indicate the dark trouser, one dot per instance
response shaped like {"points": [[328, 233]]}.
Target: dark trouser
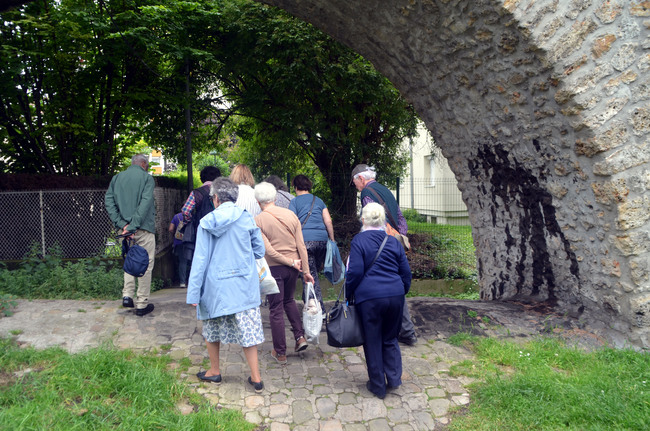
{"points": [[286, 278], [381, 320], [316, 251], [408, 329], [181, 261]]}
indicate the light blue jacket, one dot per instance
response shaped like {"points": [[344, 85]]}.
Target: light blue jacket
{"points": [[224, 279]]}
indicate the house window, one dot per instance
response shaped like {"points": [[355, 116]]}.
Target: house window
{"points": [[430, 163]]}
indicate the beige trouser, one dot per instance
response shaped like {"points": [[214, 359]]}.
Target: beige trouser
{"points": [[147, 240]]}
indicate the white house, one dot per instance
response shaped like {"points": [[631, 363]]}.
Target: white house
{"points": [[430, 187]]}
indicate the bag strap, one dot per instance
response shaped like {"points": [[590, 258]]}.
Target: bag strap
{"points": [[388, 213], [381, 248], [309, 213], [383, 243]]}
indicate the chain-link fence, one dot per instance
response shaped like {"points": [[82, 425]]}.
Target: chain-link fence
{"points": [[438, 201], [74, 222]]}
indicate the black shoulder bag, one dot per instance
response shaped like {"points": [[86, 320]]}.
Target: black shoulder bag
{"points": [[342, 321]]}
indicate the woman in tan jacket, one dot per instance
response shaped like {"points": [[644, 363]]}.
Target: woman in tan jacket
{"points": [[287, 257]]}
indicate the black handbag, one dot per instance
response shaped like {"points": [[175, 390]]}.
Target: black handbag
{"points": [[342, 321], [343, 324]]}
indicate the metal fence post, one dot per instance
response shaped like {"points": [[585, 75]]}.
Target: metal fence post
{"points": [[40, 197], [397, 191]]}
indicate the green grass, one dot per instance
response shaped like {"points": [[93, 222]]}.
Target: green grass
{"points": [[545, 385], [450, 247], [102, 389]]}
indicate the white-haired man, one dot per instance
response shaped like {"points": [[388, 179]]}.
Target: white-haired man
{"points": [[130, 205], [364, 179]]}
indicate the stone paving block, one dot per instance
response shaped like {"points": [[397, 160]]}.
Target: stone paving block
{"points": [[347, 398], [326, 407], [439, 406], [373, 408], [278, 411], [254, 417], [379, 425], [398, 415], [423, 421], [436, 393], [416, 401], [348, 413], [322, 390], [254, 401], [330, 425], [302, 411], [453, 386], [278, 426]]}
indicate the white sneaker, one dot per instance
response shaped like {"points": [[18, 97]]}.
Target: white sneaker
{"points": [[183, 285]]}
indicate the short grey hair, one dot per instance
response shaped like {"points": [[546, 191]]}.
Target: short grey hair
{"points": [[373, 215], [265, 192], [224, 189], [369, 174], [139, 159]]}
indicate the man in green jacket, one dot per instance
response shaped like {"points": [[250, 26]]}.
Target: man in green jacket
{"points": [[130, 205]]}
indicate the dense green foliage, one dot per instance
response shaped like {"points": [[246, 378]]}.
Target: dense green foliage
{"points": [[71, 81], [115, 76], [102, 389], [51, 277], [545, 385], [308, 101]]}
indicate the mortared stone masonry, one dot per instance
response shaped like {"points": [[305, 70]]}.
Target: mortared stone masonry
{"points": [[542, 108]]}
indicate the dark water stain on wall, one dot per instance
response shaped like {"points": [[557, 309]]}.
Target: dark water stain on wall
{"points": [[511, 185]]}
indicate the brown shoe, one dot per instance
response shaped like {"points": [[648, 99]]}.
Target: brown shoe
{"points": [[282, 359], [301, 344]]}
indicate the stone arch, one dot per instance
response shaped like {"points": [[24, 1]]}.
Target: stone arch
{"points": [[541, 107]]}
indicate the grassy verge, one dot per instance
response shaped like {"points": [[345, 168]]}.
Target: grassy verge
{"points": [[450, 247], [101, 389], [545, 385]]}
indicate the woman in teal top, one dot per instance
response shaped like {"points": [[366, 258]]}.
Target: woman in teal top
{"points": [[316, 227]]}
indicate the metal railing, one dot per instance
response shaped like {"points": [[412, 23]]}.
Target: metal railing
{"points": [[439, 201]]}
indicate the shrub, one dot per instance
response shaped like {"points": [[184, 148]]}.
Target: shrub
{"points": [[411, 214], [51, 277]]}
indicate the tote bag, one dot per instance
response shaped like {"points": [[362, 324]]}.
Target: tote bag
{"points": [[312, 315], [268, 285]]}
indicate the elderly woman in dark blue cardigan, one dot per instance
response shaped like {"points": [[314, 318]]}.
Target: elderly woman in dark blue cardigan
{"points": [[378, 287]]}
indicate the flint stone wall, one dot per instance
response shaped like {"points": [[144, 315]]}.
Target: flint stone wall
{"points": [[542, 108]]}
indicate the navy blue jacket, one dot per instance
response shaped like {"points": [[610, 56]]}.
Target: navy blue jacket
{"points": [[389, 276]]}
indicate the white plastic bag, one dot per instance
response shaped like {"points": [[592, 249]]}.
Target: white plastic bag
{"points": [[268, 285], [312, 315]]}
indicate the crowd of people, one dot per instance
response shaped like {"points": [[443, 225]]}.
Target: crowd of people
{"points": [[227, 224]]}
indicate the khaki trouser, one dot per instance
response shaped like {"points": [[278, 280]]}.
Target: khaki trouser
{"points": [[147, 240]]}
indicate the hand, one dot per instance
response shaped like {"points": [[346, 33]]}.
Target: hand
{"points": [[308, 278], [297, 264], [125, 232], [194, 305]]}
